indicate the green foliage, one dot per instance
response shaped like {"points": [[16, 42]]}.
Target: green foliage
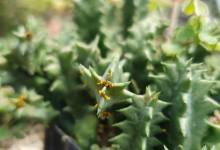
{"points": [[112, 79]]}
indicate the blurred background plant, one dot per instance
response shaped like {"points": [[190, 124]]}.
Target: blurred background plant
{"points": [[15, 12]]}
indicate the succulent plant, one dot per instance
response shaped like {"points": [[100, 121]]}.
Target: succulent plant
{"points": [[117, 78]]}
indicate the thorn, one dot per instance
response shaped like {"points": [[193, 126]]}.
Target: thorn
{"points": [[96, 106]]}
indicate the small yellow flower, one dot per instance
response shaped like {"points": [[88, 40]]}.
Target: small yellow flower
{"points": [[108, 84], [105, 114], [103, 94], [101, 83], [105, 83], [28, 35], [21, 101]]}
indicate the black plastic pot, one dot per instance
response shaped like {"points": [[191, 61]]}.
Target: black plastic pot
{"points": [[56, 139]]}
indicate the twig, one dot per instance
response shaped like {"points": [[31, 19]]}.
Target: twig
{"points": [[173, 19]]}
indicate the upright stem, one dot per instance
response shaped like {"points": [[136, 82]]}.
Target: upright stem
{"points": [[173, 18]]}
